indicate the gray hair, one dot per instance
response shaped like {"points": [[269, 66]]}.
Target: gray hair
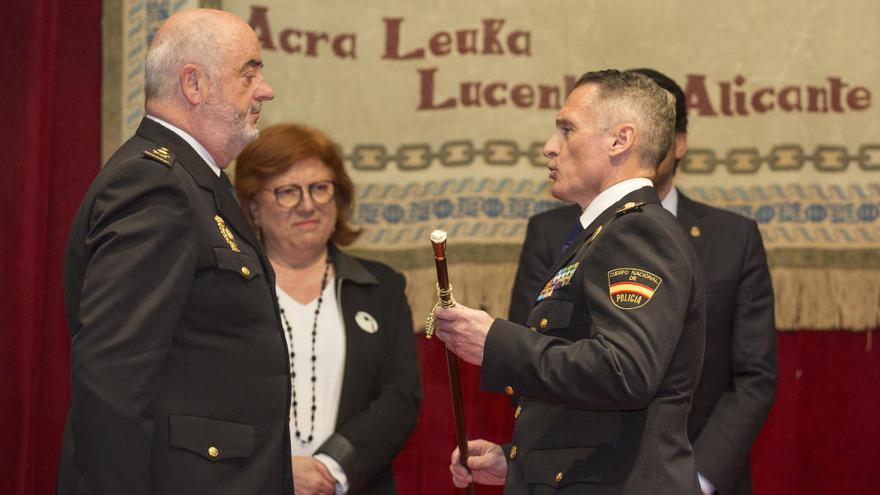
{"points": [[633, 97], [196, 41]]}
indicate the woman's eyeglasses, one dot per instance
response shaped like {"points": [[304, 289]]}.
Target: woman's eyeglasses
{"points": [[291, 195]]}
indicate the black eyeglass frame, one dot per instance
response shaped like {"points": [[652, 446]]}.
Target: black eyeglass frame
{"points": [[310, 188]]}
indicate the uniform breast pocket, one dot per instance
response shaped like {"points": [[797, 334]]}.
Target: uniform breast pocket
{"points": [[213, 439], [565, 469], [243, 264], [551, 314]]}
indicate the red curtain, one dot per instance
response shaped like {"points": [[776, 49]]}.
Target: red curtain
{"points": [[821, 437], [51, 76]]}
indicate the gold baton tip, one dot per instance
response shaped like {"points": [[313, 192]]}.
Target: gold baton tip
{"points": [[438, 236]]}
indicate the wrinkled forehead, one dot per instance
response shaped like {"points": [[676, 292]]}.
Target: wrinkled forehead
{"points": [[241, 50]]}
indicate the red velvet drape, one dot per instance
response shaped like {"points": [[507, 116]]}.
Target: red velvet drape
{"points": [[821, 437], [51, 79]]}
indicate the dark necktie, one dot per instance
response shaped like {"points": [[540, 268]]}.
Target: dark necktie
{"points": [[229, 187], [573, 235]]}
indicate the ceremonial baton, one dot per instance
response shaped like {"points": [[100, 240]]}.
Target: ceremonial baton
{"points": [[444, 292]]}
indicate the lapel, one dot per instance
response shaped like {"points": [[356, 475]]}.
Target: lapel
{"points": [[205, 178], [353, 280], [644, 194], [690, 216]]}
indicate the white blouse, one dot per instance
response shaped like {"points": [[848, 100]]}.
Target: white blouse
{"points": [[329, 366]]}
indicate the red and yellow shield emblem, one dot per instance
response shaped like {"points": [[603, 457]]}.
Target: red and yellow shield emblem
{"points": [[632, 288]]}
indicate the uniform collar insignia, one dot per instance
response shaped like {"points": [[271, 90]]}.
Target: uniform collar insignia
{"points": [[161, 154], [630, 206]]}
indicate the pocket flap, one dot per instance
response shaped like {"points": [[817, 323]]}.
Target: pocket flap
{"points": [[551, 314], [212, 439], [560, 467], [241, 263]]}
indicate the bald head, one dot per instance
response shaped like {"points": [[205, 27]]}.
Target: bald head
{"points": [[197, 36], [204, 75]]}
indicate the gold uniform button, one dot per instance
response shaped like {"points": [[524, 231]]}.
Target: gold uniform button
{"points": [[213, 452], [513, 453], [559, 476], [508, 390], [544, 323], [518, 412], [246, 271]]}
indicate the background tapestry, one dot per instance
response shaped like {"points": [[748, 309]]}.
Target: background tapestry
{"points": [[442, 110]]}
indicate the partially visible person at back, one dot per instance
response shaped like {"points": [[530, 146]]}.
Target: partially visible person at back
{"points": [[738, 382], [179, 379], [353, 362]]}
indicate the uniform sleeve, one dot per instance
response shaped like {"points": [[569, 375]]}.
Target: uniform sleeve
{"points": [[140, 269], [722, 448], [624, 355], [368, 442], [534, 263]]}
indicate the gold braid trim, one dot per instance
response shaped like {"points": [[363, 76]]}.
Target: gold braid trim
{"points": [[442, 295]]}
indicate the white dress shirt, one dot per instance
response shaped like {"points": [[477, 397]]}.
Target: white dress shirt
{"points": [[610, 196]]}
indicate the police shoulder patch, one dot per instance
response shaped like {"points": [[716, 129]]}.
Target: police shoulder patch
{"points": [[631, 288], [161, 154]]}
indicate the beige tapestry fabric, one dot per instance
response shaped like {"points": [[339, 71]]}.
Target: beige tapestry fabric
{"points": [[442, 109]]}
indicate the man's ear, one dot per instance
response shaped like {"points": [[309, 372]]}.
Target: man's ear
{"points": [[192, 84], [623, 139], [681, 145]]}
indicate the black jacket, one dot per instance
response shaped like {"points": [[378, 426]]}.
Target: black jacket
{"points": [[179, 374], [607, 372], [379, 404], [737, 384]]}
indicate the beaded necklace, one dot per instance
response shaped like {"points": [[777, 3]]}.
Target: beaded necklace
{"points": [[301, 438]]}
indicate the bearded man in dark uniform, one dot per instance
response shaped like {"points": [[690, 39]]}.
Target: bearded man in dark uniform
{"points": [[178, 369], [606, 367]]}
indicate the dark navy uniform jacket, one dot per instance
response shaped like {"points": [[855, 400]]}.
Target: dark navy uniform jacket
{"points": [[738, 382], [608, 363], [179, 373]]}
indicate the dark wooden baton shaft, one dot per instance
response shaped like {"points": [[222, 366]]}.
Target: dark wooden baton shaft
{"points": [[452, 361]]}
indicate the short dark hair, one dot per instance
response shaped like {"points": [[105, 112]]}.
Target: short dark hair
{"points": [[666, 82], [635, 97]]}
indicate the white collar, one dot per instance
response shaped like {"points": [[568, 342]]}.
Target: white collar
{"points": [[670, 202], [610, 196], [191, 141]]}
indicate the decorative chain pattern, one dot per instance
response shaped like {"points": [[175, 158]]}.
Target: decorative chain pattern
{"points": [[501, 152]]}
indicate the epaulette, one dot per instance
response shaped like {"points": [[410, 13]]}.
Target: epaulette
{"points": [[161, 155], [630, 207]]}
